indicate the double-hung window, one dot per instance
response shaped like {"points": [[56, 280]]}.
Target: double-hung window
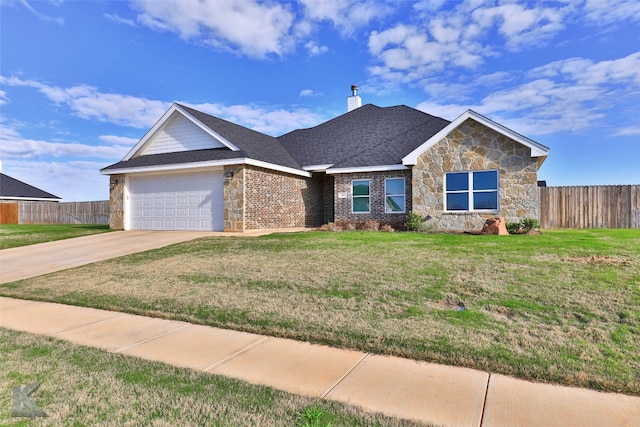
{"points": [[394, 195], [360, 199], [471, 191]]}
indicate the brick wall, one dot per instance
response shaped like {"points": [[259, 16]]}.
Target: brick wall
{"points": [[376, 200], [473, 147], [279, 200]]}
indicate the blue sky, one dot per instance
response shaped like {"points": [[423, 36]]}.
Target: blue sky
{"points": [[81, 82]]}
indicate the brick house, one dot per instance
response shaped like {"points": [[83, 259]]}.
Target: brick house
{"points": [[194, 171]]}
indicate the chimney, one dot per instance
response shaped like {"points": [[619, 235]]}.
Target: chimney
{"points": [[353, 101]]}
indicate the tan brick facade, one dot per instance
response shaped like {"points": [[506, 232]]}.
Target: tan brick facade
{"points": [[343, 208], [279, 200], [474, 147]]}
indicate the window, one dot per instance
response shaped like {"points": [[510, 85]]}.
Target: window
{"points": [[394, 195], [360, 196], [471, 191]]}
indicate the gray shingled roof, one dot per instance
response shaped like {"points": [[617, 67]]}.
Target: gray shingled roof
{"points": [[13, 188], [366, 136]]}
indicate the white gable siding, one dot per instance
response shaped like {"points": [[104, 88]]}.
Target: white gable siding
{"points": [[180, 134]]}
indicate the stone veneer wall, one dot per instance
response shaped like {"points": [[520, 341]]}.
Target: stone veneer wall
{"points": [[234, 198], [376, 194], [474, 147], [279, 200], [116, 202]]}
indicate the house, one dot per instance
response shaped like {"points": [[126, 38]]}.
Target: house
{"points": [[194, 171], [14, 192]]}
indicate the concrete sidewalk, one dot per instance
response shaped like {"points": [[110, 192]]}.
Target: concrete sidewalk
{"points": [[405, 388]]}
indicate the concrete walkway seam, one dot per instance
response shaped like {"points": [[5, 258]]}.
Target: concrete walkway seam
{"points": [[324, 396], [484, 403], [164, 334], [237, 353]]}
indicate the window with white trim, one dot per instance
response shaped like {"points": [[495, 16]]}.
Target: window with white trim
{"points": [[471, 191], [394, 195], [360, 196]]}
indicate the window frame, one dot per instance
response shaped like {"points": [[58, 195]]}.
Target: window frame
{"points": [[368, 196], [470, 191], [403, 195]]}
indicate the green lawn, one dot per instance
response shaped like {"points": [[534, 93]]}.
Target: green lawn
{"points": [[14, 235], [81, 386], [561, 307]]}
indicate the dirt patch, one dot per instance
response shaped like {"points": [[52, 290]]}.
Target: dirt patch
{"points": [[599, 260]]}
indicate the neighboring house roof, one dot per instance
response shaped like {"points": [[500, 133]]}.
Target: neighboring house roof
{"points": [[368, 138], [13, 189]]}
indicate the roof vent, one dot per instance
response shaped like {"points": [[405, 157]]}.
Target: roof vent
{"points": [[354, 101]]}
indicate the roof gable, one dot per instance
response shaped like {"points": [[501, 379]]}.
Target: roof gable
{"points": [[11, 188], [179, 134], [537, 150], [177, 122]]}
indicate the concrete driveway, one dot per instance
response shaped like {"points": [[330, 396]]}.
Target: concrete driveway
{"points": [[35, 260]]}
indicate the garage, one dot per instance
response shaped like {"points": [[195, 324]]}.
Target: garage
{"points": [[177, 202]]}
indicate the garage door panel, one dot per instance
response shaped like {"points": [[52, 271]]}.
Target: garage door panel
{"points": [[177, 202]]}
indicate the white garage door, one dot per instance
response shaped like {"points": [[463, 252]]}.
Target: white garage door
{"points": [[177, 202]]}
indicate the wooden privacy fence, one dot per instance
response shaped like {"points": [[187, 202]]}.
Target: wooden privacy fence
{"points": [[601, 206], [64, 213]]}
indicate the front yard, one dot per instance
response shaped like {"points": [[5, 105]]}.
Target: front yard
{"points": [[562, 307]]}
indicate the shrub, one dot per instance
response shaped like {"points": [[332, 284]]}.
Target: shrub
{"points": [[529, 224], [524, 226], [370, 225], [513, 227], [415, 222], [387, 228]]}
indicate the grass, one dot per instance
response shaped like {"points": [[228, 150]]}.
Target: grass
{"points": [[14, 235], [562, 307], [82, 386]]}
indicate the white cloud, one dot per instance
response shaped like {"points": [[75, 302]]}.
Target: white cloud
{"points": [[42, 16], [347, 16], [249, 27], [268, 120], [629, 131], [3, 97], [118, 140], [586, 72], [521, 26], [571, 95], [315, 49], [462, 36], [309, 93], [88, 103], [114, 17], [612, 11], [14, 146]]}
